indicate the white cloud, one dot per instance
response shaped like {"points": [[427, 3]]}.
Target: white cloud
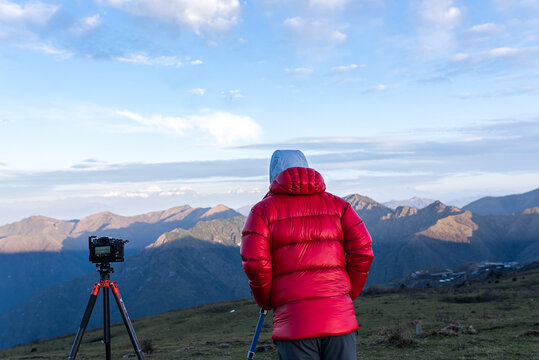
{"points": [[441, 13], [232, 94], [376, 89], [332, 4], [438, 21], [18, 23], [196, 62], [347, 68], [338, 36], [225, 128], [502, 51], [460, 57], [162, 124], [86, 24], [148, 191], [36, 13], [299, 70], [497, 53], [315, 30], [497, 60], [115, 194], [142, 58], [219, 15], [47, 49], [483, 28], [198, 91]]}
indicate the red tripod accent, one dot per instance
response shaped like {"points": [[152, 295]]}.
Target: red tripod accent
{"points": [[105, 283]]}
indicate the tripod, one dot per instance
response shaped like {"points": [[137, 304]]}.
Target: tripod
{"points": [[104, 270]]}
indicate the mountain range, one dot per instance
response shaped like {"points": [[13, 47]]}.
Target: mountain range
{"points": [[39, 251], [178, 271], [39, 233], [189, 256], [491, 205]]}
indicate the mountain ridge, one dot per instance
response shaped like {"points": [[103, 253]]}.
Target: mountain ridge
{"points": [[508, 204], [40, 233]]}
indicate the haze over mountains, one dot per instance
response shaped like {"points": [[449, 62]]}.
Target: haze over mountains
{"points": [[415, 202], [189, 256]]}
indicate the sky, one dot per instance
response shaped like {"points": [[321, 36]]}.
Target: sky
{"points": [[133, 106]]}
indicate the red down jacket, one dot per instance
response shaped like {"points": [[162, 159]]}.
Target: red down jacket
{"points": [[293, 250]]}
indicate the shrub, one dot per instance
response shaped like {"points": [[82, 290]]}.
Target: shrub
{"points": [[147, 346], [397, 336]]}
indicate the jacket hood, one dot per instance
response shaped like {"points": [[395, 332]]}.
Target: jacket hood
{"points": [[284, 159], [298, 181]]}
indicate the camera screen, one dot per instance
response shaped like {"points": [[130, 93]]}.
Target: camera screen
{"points": [[102, 251]]}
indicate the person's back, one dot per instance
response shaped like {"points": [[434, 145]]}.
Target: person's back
{"points": [[293, 250]]}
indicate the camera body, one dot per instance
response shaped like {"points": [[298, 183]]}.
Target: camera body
{"points": [[105, 249]]}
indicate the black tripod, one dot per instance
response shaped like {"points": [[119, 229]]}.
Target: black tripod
{"points": [[105, 270]]}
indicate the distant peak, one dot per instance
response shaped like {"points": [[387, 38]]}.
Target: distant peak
{"points": [[39, 218], [415, 202], [439, 207], [361, 201], [179, 208], [217, 209], [402, 211], [102, 214], [220, 207], [359, 197]]}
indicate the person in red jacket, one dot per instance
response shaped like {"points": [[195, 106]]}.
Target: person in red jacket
{"points": [[307, 255]]}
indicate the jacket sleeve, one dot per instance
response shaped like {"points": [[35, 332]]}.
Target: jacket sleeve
{"points": [[256, 258], [358, 249]]}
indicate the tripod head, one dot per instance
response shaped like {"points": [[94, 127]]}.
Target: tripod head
{"points": [[104, 270]]}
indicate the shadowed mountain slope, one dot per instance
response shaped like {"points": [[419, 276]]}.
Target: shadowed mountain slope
{"points": [[183, 271], [39, 251], [491, 205]]}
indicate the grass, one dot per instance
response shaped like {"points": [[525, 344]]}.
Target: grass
{"points": [[504, 315]]}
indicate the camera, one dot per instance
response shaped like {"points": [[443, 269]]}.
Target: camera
{"points": [[105, 249]]}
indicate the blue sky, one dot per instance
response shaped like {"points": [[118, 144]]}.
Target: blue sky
{"points": [[139, 105]]}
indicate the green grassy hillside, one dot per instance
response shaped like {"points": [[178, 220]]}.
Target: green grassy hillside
{"points": [[498, 319]]}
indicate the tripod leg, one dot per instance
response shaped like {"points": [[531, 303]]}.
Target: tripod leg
{"points": [[84, 322], [127, 321], [106, 322]]}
